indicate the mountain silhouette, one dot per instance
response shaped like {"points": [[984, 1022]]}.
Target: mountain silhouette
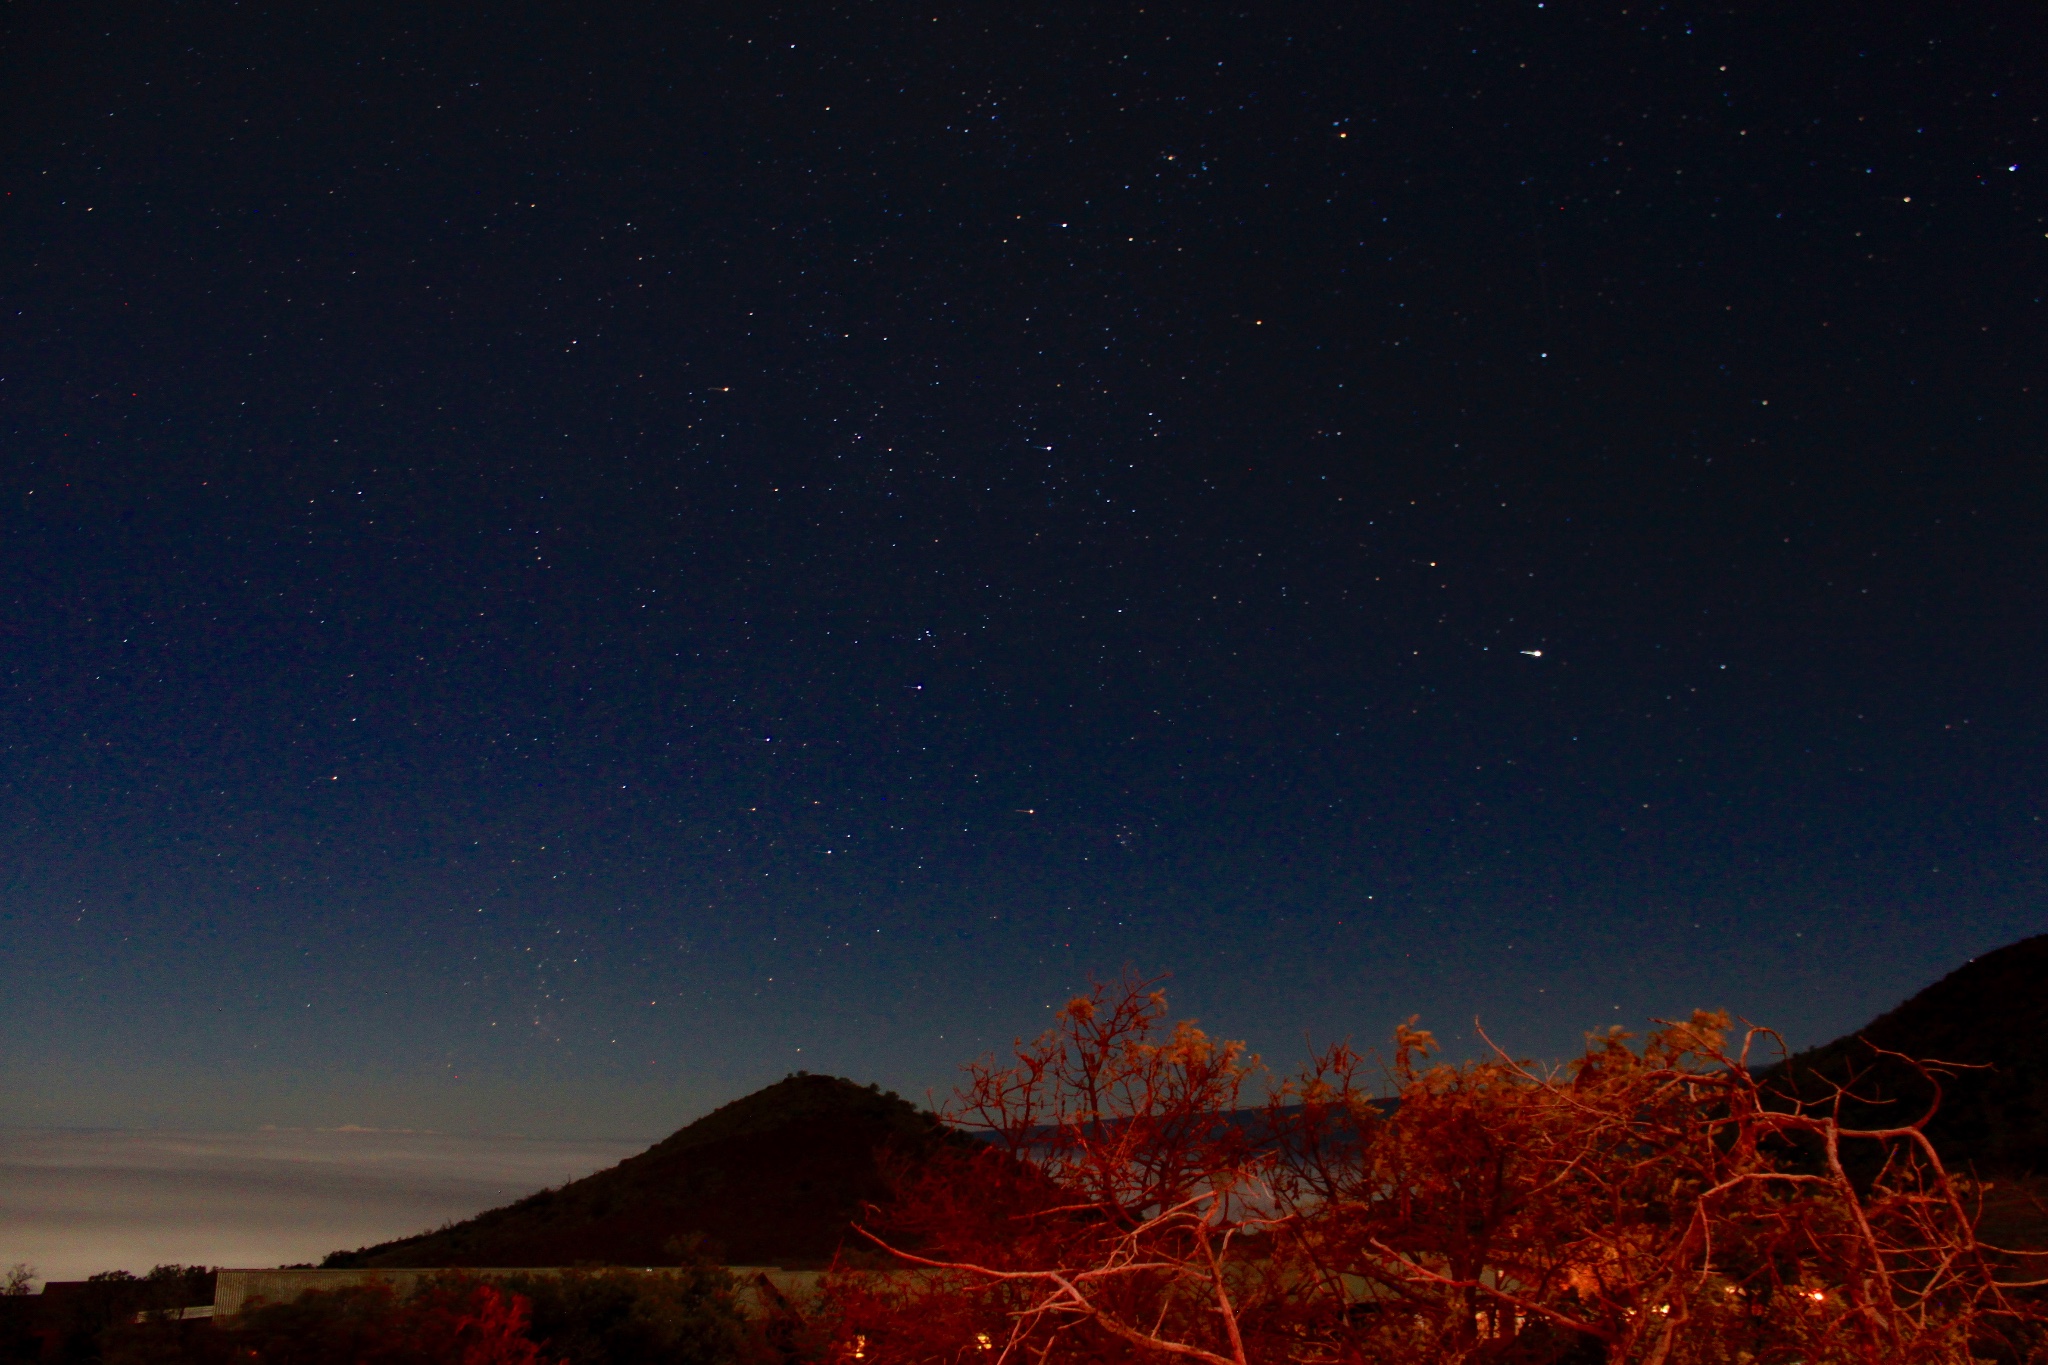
{"points": [[775, 1178], [778, 1177], [1990, 1014]]}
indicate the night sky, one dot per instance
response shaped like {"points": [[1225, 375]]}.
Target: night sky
{"points": [[558, 563]]}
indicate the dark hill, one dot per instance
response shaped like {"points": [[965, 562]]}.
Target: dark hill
{"points": [[771, 1179], [1992, 1012]]}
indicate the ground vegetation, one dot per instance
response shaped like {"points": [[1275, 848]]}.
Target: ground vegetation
{"points": [[1651, 1203]]}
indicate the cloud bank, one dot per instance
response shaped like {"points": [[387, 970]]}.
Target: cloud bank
{"points": [[73, 1203]]}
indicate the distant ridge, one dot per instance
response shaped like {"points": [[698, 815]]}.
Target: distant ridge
{"points": [[1992, 1011], [778, 1177], [775, 1178]]}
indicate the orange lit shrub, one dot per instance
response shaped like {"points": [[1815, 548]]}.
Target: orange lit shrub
{"points": [[1649, 1203]]}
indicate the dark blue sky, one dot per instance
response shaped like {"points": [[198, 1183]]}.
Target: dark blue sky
{"points": [[559, 566]]}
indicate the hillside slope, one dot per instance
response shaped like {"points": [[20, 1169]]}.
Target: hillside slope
{"points": [[1990, 1012], [774, 1178]]}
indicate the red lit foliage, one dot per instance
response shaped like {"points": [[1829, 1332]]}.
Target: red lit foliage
{"points": [[684, 1316], [1649, 1203], [446, 1322]]}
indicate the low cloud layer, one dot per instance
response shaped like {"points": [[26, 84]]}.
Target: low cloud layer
{"points": [[75, 1203]]}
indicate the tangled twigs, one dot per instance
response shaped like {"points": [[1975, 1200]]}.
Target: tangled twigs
{"points": [[1655, 1202]]}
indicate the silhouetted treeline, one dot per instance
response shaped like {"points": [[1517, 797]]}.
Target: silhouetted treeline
{"points": [[69, 1322], [689, 1316]]}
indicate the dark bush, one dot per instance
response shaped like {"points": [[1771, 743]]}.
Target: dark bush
{"points": [[611, 1317]]}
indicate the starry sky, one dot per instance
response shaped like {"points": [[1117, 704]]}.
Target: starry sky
{"points": [[558, 563]]}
